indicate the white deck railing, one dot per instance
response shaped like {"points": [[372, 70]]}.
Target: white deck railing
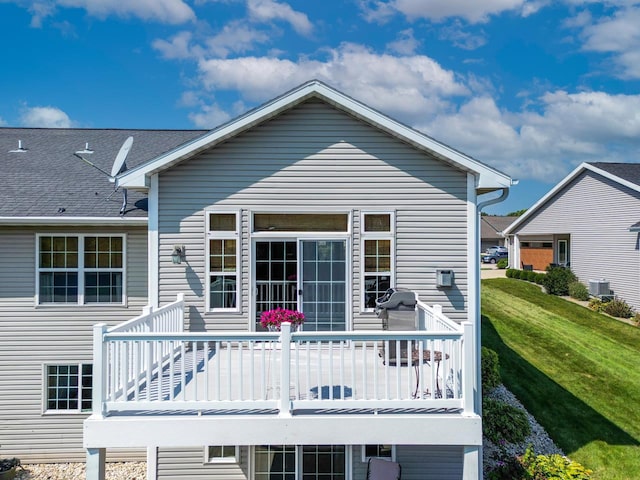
{"points": [[150, 363], [125, 366]]}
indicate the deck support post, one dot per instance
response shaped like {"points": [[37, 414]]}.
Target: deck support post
{"points": [[99, 369], [152, 463], [472, 468], [285, 369], [96, 463], [468, 370]]}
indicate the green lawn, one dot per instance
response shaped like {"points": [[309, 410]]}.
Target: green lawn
{"points": [[577, 372]]}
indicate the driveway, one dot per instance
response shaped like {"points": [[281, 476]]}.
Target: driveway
{"points": [[488, 270]]}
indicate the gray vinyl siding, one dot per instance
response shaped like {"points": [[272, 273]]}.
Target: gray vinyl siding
{"points": [[33, 336], [596, 214], [417, 463], [188, 463], [315, 157]]}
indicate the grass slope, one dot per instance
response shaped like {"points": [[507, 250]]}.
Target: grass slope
{"points": [[577, 372]]}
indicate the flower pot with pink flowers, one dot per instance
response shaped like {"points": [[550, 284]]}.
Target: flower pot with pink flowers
{"points": [[272, 319]]}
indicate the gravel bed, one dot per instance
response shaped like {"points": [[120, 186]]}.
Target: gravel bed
{"points": [[539, 439], [75, 471]]}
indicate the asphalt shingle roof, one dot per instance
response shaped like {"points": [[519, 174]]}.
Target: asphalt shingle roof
{"points": [[47, 180], [490, 225], [627, 171]]}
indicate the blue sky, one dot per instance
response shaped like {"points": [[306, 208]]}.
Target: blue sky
{"points": [[531, 87]]}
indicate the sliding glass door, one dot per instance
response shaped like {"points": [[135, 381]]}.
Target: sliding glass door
{"points": [[303, 274], [324, 284]]}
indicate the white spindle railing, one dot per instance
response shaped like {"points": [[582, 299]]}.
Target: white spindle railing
{"points": [[432, 319], [150, 363], [125, 365]]}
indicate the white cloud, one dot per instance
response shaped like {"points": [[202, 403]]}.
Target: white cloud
{"points": [[438, 10], [456, 34], [178, 47], [39, 10], [45, 117], [235, 37], [569, 129], [267, 10], [410, 86], [405, 44], [209, 116], [164, 11], [618, 34], [3, 122]]}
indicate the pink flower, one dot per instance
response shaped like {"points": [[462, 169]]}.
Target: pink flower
{"points": [[272, 319]]}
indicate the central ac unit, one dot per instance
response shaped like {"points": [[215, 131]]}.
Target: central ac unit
{"points": [[598, 288]]}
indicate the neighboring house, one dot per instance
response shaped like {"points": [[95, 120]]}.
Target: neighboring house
{"points": [[589, 222], [68, 260], [491, 228], [313, 202]]}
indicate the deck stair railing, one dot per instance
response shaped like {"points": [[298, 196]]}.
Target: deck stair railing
{"points": [[151, 364], [127, 365]]}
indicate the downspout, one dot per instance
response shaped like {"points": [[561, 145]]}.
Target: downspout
{"points": [[501, 198], [481, 205]]}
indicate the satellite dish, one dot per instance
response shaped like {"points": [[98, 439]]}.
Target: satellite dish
{"points": [[118, 164], [118, 167]]}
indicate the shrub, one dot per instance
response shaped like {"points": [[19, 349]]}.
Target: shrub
{"points": [[501, 421], [540, 278], [539, 467], [517, 273], [531, 275], [544, 467], [557, 280], [490, 369], [596, 304], [618, 308], [509, 468], [509, 272], [578, 291], [502, 263]]}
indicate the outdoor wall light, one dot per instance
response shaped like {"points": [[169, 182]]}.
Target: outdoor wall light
{"points": [[178, 254]]}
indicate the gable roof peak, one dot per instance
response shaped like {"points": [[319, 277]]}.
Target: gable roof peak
{"points": [[624, 174], [489, 179]]}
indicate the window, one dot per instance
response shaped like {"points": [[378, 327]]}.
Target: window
{"points": [[379, 451], [68, 387], [563, 252], [223, 261], [222, 454], [300, 222], [377, 256], [80, 269], [275, 462], [307, 462]]}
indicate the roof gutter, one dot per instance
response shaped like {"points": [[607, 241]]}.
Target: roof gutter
{"points": [[503, 196], [117, 221]]}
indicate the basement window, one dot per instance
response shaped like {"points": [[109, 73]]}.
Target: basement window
{"points": [[222, 454], [68, 388]]}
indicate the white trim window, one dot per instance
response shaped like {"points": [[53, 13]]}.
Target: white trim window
{"points": [[223, 261], [83, 269], [68, 388], [289, 462], [563, 252], [386, 452], [377, 256], [222, 454]]}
